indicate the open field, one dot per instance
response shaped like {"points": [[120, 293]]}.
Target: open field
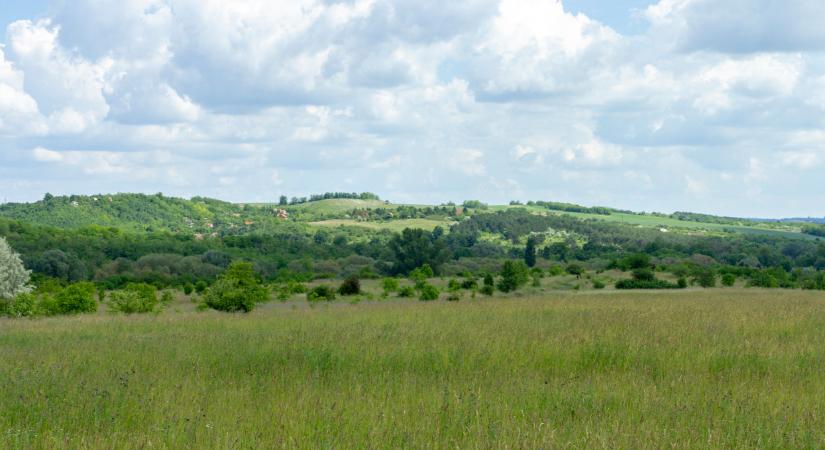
{"points": [[720, 368]]}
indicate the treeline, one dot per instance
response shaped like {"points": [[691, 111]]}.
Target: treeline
{"points": [[570, 207], [814, 230], [328, 196]]}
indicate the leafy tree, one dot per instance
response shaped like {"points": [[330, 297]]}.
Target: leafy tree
{"points": [[514, 274], [643, 274], [728, 279], [14, 278], [238, 289], [530, 252], [705, 277], [415, 247], [283, 201]]}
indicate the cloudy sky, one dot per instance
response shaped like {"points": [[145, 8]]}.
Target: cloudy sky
{"points": [[704, 105]]}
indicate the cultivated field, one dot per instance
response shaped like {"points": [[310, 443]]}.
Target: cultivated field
{"points": [[721, 368]]}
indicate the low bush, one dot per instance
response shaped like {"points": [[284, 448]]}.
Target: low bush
{"points": [[321, 293], [237, 289], [76, 298], [390, 285], [646, 284], [598, 284], [406, 292], [728, 279], [134, 298], [429, 293], [350, 286]]}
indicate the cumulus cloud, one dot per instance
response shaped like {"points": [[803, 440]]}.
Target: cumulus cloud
{"points": [[419, 100]]}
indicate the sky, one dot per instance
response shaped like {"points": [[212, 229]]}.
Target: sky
{"points": [[695, 105]]}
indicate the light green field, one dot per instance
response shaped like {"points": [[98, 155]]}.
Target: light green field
{"points": [[393, 225], [338, 206], [720, 369]]}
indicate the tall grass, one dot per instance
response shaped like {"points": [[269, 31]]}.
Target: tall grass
{"points": [[621, 370]]}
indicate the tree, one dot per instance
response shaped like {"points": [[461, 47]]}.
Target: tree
{"points": [[575, 269], [14, 278], [530, 252], [76, 298], [238, 289], [514, 274], [283, 201], [350, 286], [415, 247]]}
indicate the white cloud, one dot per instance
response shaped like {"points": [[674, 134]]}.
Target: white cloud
{"points": [[45, 155]]}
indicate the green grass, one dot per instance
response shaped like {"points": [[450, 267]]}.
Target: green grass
{"points": [[337, 206], [721, 369]]}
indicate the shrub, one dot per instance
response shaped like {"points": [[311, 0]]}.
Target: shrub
{"points": [[321, 293], [406, 292], [429, 293], [682, 283], [514, 275], [238, 289], [469, 284], [167, 297], [489, 280], [454, 296], [420, 275], [390, 285], [728, 279], [488, 290], [201, 286], [705, 277], [76, 298], [453, 285], [24, 305], [644, 274], [350, 286], [598, 284], [575, 269], [134, 298], [646, 284], [555, 270], [188, 288], [14, 278]]}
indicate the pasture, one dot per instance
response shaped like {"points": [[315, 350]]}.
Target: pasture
{"points": [[718, 368]]}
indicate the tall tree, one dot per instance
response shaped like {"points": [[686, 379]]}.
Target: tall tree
{"points": [[14, 278], [530, 252]]}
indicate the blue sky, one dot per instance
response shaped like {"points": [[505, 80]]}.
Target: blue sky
{"points": [[647, 105]]}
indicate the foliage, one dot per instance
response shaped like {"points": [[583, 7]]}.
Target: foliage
{"points": [[76, 298], [406, 292], [134, 298], [728, 279], [514, 274], [429, 293], [390, 285], [575, 269], [705, 277], [350, 286], [14, 278], [321, 293], [530, 252], [238, 289], [646, 284]]}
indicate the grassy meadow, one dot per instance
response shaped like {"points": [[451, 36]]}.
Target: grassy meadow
{"points": [[719, 368]]}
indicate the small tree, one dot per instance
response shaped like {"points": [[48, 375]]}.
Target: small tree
{"points": [[575, 269], [429, 293], [514, 274], [238, 289], [728, 279], [390, 285], [14, 278]]}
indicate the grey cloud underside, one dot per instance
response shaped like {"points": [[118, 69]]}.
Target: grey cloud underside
{"points": [[717, 107]]}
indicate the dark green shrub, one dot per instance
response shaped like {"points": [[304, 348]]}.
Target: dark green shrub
{"points": [[555, 270], [469, 284], [644, 274], [646, 284], [406, 292], [705, 277], [575, 269], [728, 279], [321, 293], [201, 286], [167, 297], [453, 285], [598, 284], [429, 293], [488, 290], [76, 298], [237, 289], [682, 283], [350, 286], [23, 305], [188, 288]]}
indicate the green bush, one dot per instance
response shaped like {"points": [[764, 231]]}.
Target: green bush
{"points": [[469, 283], [76, 298], [166, 297], [406, 292], [705, 277], [429, 293], [488, 290], [201, 286], [575, 269], [598, 284], [23, 305], [514, 275], [453, 285], [350, 286], [728, 279], [321, 293], [238, 289], [644, 274], [555, 270], [390, 285], [188, 288]]}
